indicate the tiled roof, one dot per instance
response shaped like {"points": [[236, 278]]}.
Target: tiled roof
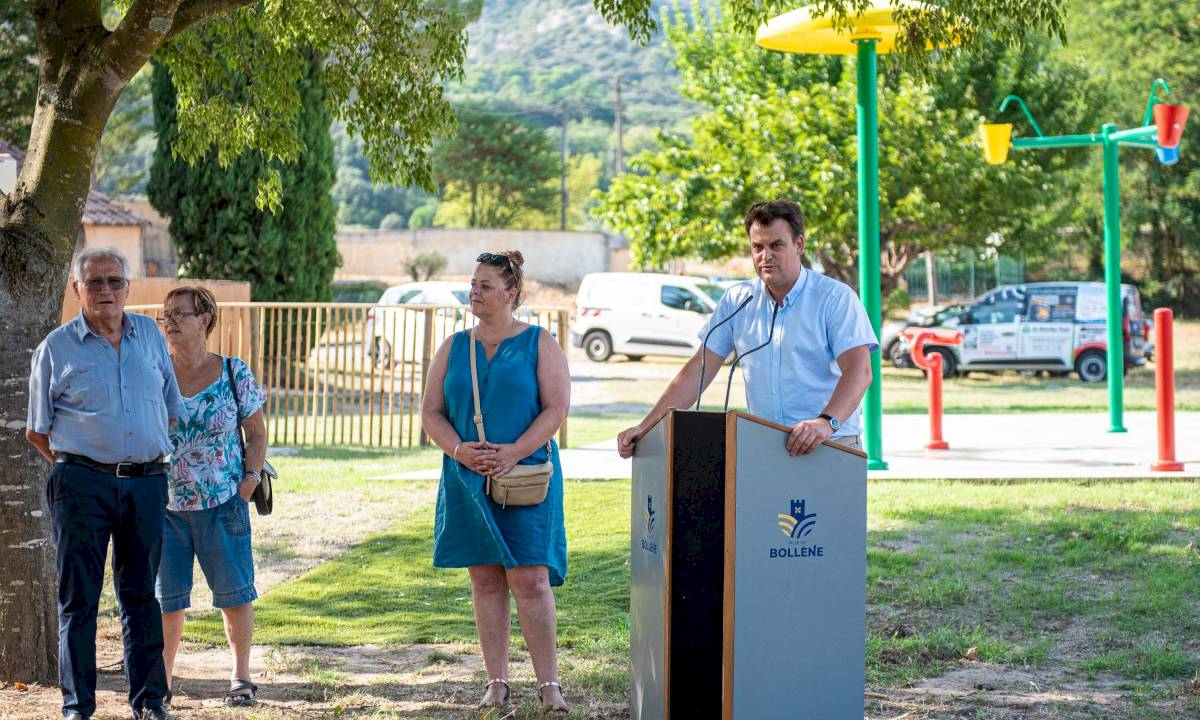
{"points": [[100, 209]]}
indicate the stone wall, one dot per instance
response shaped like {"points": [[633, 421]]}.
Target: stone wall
{"points": [[559, 258]]}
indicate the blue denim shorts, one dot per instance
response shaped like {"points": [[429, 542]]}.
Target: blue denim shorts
{"points": [[220, 539]]}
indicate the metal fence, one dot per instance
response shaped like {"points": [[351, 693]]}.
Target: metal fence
{"points": [[347, 374], [963, 276]]}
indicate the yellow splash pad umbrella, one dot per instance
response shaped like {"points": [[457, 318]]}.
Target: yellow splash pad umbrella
{"points": [[799, 31]]}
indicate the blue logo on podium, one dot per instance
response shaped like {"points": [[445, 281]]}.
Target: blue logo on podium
{"points": [[648, 516], [797, 523]]}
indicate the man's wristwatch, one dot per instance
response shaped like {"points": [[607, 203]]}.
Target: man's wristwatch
{"points": [[833, 422]]}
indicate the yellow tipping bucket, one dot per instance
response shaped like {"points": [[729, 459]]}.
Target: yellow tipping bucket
{"points": [[996, 139]]}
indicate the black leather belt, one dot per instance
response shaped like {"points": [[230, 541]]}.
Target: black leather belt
{"points": [[122, 469]]}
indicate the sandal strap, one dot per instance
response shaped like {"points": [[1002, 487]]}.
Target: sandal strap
{"points": [[240, 689], [549, 683], [493, 681]]}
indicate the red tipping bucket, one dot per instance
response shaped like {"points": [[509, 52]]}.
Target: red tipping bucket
{"points": [[1170, 119]]}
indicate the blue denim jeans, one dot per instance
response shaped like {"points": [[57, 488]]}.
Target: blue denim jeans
{"points": [[220, 539], [87, 507]]}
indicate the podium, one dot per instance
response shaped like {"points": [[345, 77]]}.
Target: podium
{"points": [[748, 573]]}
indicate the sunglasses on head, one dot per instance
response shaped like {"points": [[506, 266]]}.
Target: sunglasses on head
{"points": [[495, 259]]}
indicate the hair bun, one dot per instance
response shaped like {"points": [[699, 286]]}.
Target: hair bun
{"points": [[516, 257]]}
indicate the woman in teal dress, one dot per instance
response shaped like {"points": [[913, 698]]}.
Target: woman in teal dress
{"points": [[525, 390]]}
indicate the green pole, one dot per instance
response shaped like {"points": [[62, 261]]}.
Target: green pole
{"points": [[868, 239], [1112, 281]]}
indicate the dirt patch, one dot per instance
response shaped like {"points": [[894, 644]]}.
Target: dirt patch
{"points": [[442, 682]]}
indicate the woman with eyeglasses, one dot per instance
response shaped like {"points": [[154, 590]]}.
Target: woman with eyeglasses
{"points": [[211, 482], [525, 391]]}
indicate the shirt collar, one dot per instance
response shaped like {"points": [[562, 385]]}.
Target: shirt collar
{"points": [[82, 329], [794, 294]]}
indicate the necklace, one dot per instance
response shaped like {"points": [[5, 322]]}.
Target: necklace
{"points": [[490, 343]]}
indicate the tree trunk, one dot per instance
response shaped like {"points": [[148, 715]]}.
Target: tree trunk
{"points": [[474, 202], [39, 221]]}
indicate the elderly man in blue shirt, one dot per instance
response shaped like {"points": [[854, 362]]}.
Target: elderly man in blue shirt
{"points": [[101, 391], [805, 338]]}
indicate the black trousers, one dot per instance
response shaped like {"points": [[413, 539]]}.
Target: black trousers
{"points": [[88, 507]]}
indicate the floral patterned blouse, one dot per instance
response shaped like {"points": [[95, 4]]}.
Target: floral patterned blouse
{"points": [[206, 467]]}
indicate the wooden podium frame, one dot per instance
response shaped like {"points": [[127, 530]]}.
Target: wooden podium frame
{"points": [[724, 615]]}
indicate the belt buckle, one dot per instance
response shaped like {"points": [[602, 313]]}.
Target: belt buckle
{"points": [[123, 469]]}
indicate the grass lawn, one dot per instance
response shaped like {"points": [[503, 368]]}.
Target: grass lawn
{"points": [[1070, 581]]}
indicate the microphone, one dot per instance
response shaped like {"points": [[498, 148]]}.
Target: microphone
{"points": [[704, 346], [738, 359]]}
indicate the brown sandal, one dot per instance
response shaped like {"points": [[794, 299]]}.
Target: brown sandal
{"points": [[485, 703], [556, 710]]}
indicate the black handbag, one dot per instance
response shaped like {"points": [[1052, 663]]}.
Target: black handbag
{"points": [[263, 497]]}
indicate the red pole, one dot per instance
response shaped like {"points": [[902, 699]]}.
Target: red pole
{"points": [[936, 441], [931, 363], [1164, 386]]}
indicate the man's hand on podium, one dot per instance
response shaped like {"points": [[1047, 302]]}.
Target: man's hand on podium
{"points": [[807, 435], [627, 441]]}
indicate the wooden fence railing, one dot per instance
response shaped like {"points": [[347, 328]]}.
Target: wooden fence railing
{"points": [[346, 373]]}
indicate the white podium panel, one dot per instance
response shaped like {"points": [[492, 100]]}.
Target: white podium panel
{"points": [[649, 581], [795, 590]]}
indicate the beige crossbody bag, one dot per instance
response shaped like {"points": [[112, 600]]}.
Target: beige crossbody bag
{"points": [[523, 484]]}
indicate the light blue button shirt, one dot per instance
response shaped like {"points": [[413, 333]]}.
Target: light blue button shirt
{"points": [[94, 403], [793, 377]]}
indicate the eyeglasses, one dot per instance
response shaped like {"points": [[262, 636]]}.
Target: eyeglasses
{"points": [[115, 283], [174, 317], [497, 260]]}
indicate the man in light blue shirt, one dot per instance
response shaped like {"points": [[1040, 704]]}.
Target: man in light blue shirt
{"points": [[804, 338], [101, 392]]}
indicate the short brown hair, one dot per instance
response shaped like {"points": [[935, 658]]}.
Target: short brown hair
{"points": [[202, 302], [767, 212], [511, 268]]}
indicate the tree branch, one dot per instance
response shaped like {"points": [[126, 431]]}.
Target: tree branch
{"points": [[141, 32], [192, 12]]}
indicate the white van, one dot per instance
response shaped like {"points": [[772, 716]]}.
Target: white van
{"points": [[1051, 326], [639, 314]]}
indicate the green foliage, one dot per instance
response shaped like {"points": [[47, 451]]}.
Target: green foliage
{"points": [[385, 66], [1131, 44], [897, 301], [216, 225], [498, 168], [18, 71], [782, 125], [360, 201], [423, 216], [425, 265], [127, 146]]}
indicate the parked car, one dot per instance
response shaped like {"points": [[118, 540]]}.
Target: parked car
{"points": [[639, 314], [387, 327], [1052, 326], [925, 316]]}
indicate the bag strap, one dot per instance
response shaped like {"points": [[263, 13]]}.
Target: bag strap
{"points": [[475, 391], [237, 404]]}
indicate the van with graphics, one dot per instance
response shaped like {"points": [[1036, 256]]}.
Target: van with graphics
{"points": [[639, 314], [1053, 326]]}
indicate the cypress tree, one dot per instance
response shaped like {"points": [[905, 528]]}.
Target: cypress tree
{"points": [[216, 226]]}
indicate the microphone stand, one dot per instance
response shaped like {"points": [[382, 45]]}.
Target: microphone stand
{"points": [[738, 359], [704, 347]]}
